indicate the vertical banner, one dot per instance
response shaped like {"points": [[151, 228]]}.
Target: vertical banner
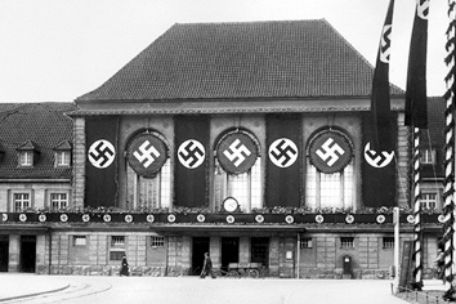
{"points": [[416, 95], [191, 135], [378, 169], [283, 176], [101, 184]]}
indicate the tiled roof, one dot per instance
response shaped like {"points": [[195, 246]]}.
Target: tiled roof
{"points": [[40, 124], [287, 59], [434, 136]]}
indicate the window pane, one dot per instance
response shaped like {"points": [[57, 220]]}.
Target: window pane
{"points": [[238, 187], [311, 186], [330, 190]]}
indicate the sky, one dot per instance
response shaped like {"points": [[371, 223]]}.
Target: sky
{"points": [[58, 50]]}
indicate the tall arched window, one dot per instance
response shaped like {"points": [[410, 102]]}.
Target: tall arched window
{"points": [[148, 171], [329, 176], [238, 170]]}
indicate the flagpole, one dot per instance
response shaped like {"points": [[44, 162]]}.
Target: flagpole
{"points": [[449, 206], [417, 253]]}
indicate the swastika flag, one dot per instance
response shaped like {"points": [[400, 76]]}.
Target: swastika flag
{"points": [[101, 161], [416, 95], [191, 144], [382, 138], [283, 181]]}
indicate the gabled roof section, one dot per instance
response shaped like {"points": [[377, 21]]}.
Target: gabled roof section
{"points": [[34, 125], [28, 145], [279, 59], [63, 146]]}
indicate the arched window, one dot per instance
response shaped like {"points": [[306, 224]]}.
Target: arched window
{"points": [[148, 171], [238, 170], [329, 170]]}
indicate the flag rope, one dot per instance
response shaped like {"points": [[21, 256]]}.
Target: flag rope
{"points": [[417, 253], [448, 207]]}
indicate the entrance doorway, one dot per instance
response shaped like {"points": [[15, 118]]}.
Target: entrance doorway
{"points": [[260, 250], [28, 253], [200, 246], [4, 253], [230, 252]]}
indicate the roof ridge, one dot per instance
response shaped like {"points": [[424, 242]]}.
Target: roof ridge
{"points": [[248, 22]]}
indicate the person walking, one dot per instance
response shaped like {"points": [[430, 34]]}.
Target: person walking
{"points": [[124, 270], [207, 267]]}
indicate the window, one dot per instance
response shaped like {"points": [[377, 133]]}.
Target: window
{"points": [[388, 243], [59, 201], [26, 158], [428, 156], [117, 248], [62, 158], [21, 201], [347, 243], [244, 186], [428, 201], [79, 240], [306, 243], [157, 241]]}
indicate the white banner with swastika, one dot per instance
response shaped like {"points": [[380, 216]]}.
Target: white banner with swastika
{"points": [[283, 152], [101, 154]]}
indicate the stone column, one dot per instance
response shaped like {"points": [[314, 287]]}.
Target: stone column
{"points": [[215, 249], [14, 252], [79, 157], [244, 250], [274, 256], [403, 161]]}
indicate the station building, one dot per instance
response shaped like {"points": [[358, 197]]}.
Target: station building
{"points": [[249, 141]]}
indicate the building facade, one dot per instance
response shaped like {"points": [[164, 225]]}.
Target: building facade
{"points": [[250, 141]]}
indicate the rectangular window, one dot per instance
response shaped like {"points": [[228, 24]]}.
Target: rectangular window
{"points": [[21, 201], [59, 201], [62, 159], [388, 243], [117, 248], [79, 240], [157, 241], [428, 156], [306, 243], [428, 201], [347, 243], [26, 158]]}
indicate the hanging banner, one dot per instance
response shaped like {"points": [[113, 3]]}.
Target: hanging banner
{"points": [[147, 154], [330, 151], [191, 135], [378, 169], [102, 161], [237, 152], [283, 178]]}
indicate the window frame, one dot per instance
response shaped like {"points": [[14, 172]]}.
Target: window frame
{"points": [[115, 249], [75, 237], [13, 201], [428, 156], [387, 242], [345, 242], [306, 243], [425, 203], [157, 241], [62, 155], [51, 206], [29, 160]]}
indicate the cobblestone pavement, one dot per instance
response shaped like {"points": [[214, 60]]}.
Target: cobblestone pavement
{"points": [[189, 290]]}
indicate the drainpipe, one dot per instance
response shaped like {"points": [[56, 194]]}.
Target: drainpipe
{"points": [[298, 253], [50, 252]]}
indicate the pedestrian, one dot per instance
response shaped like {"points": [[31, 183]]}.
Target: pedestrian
{"points": [[207, 267], [124, 270], [439, 264]]}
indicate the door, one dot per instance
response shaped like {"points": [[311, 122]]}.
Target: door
{"points": [[260, 250], [230, 252], [28, 253], [4, 253], [200, 246]]}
